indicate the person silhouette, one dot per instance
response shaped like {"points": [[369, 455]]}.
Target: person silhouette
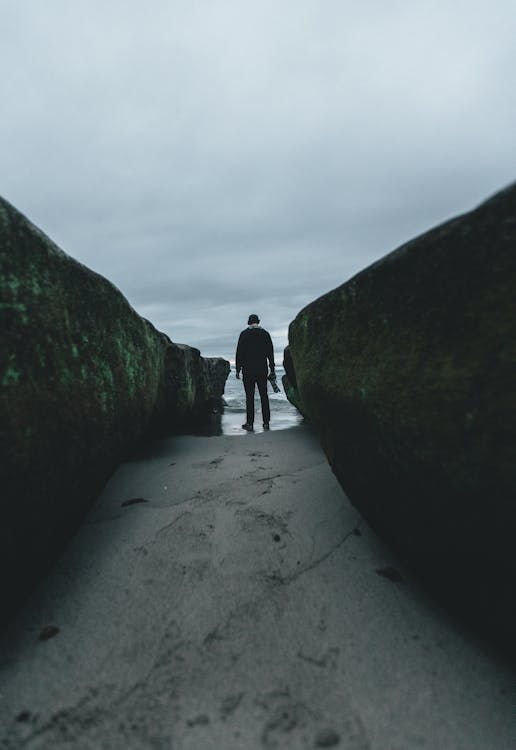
{"points": [[254, 351]]}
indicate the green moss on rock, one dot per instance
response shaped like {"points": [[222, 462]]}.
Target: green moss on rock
{"points": [[83, 379], [408, 372]]}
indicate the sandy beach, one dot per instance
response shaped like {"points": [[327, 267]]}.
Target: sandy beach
{"points": [[223, 593]]}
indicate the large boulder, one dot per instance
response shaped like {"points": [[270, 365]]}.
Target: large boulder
{"points": [[83, 379], [408, 371]]}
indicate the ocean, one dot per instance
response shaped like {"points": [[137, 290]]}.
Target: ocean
{"points": [[283, 414]]}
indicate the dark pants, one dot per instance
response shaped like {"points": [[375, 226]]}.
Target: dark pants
{"points": [[249, 383]]}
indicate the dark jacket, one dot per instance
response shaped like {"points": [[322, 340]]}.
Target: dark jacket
{"points": [[253, 350]]}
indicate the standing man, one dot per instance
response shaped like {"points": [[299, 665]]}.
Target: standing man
{"points": [[253, 351]]}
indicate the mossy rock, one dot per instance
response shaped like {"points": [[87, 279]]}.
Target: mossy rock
{"points": [[290, 384], [83, 379], [408, 371]]}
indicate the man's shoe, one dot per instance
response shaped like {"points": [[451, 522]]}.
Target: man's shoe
{"points": [[248, 427], [266, 426]]}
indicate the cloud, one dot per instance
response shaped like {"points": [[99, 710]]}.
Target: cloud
{"points": [[218, 158]]}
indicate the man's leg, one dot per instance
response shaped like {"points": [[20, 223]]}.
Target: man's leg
{"points": [[249, 382], [264, 398]]}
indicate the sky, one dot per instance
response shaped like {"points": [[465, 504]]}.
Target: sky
{"points": [[216, 158]]}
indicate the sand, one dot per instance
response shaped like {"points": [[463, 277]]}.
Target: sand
{"points": [[241, 606]]}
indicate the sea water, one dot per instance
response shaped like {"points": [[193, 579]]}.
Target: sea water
{"points": [[283, 414]]}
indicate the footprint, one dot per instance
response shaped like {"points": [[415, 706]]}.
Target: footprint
{"points": [[230, 705], [198, 721], [327, 738], [286, 720]]}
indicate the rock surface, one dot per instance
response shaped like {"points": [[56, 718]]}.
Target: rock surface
{"points": [[83, 379], [408, 371]]}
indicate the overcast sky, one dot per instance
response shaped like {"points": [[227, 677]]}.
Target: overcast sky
{"points": [[214, 158]]}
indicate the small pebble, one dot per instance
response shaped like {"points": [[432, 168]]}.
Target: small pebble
{"points": [[49, 631], [327, 738], [277, 538], [391, 574]]}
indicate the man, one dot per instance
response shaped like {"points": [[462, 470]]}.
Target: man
{"points": [[253, 351]]}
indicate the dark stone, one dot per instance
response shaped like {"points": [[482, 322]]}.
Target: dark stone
{"points": [[48, 632], [133, 501], [408, 372], [391, 574], [83, 381], [193, 388]]}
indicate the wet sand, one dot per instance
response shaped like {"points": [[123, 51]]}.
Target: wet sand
{"points": [[223, 593]]}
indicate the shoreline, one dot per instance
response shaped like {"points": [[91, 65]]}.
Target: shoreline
{"points": [[224, 593]]}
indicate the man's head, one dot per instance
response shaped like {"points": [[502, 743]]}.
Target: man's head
{"points": [[253, 320]]}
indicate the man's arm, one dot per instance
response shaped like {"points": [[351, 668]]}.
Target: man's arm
{"points": [[238, 357], [270, 353]]}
